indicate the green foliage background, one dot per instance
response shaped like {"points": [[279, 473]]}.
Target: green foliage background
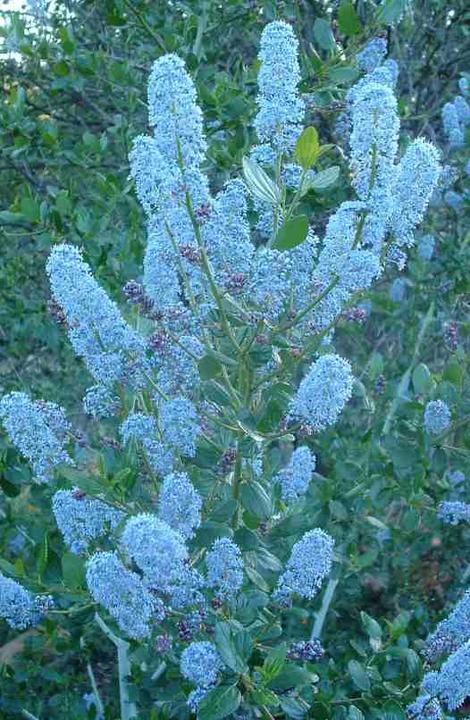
{"points": [[73, 100]]}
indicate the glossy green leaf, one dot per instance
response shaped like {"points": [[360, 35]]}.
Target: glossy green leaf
{"points": [[292, 233], [348, 20], [307, 148], [323, 34], [259, 183]]}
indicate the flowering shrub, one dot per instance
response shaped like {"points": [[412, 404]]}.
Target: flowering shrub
{"points": [[199, 531]]}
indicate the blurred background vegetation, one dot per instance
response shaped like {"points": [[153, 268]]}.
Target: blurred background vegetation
{"points": [[74, 84]]}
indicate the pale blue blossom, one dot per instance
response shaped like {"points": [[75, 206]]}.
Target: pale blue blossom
{"points": [[280, 108], [180, 504], [174, 114], [82, 519], [123, 594], [39, 430], [295, 478], [143, 429], [453, 679], [323, 392], [309, 564], [18, 607], [450, 633], [372, 54], [437, 417], [224, 568], [200, 664], [157, 550], [416, 178], [100, 402], [180, 425], [454, 512], [111, 349]]}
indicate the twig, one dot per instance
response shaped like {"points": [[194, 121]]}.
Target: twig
{"points": [[128, 708], [325, 605]]}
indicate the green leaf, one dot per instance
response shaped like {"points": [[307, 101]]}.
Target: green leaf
{"points": [[354, 713], [324, 179], [323, 34], [307, 148], [209, 367], [421, 379], [371, 626], [392, 711], [292, 233], [390, 11], [359, 675], [260, 184], [234, 646], [255, 500], [73, 570], [292, 708], [274, 662], [348, 20], [219, 703], [262, 696]]}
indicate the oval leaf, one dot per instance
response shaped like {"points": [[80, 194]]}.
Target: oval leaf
{"points": [[259, 183], [292, 233], [325, 178], [219, 703], [307, 148]]}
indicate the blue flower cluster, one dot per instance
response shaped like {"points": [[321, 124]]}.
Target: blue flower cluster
{"points": [[415, 181], [178, 372], [372, 54], [143, 429], [123, 594], [18, 606], [82, 519], [437, 417], [111, 349], [174, 115], [225, 568], [309, 564], [455, 118], [157, 550], [180, 425], [100, 402], [452, 682], [280, 108], [295, 478], [39, 430], [323, 392], [454, 512], [180, 504], [450, 633], [200, 664]]}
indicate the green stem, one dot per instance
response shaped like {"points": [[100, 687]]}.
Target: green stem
{"points": [[96, 692], [325, 606], [310, 307], [404, 382], [145, 24], [128, 708], [210, 277]]}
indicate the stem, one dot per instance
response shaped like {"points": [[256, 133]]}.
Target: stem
{"points": [[28, 715], [208, 271], [145, 24], [96, 692], [128, 708], [310, 307], [325, 605], [403, 384]]}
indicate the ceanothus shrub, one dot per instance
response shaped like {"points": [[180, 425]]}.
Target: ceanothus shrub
{"points": [[178, 559]]}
